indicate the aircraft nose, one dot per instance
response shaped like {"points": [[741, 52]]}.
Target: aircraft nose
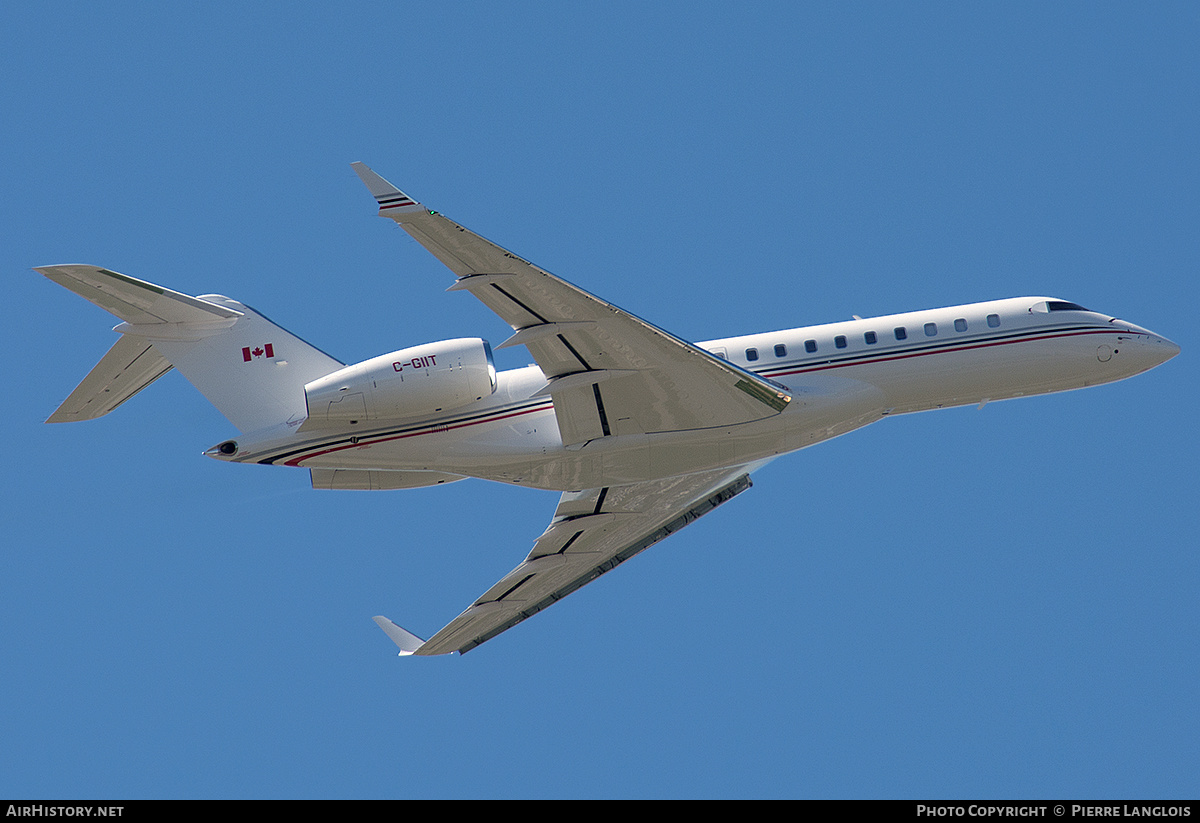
{"points": [[1166, 348], [1155, 348], [1141, 351]]}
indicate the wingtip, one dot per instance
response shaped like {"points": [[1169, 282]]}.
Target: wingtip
{"points": [[46, 271], [407, 642], [389, 198]]}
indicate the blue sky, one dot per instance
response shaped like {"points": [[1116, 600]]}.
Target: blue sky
{"points": [[968, 603]]}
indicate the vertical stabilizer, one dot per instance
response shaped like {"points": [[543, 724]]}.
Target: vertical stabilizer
{"points": [[253, 372]]}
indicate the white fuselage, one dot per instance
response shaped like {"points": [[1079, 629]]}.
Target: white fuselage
{"points": [[841, 376]]}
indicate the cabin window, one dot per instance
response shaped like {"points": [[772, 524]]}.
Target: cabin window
{"points": [[780, 350], [994, 320], [810, 346], [751, 354], [870, 338], [931, 329], [901, 333], [960, 324], [840, 341]]}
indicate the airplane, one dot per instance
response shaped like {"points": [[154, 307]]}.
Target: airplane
{"points": [[641, 432]]}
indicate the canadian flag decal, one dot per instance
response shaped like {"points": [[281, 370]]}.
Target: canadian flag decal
{"points": [[249, 354]]}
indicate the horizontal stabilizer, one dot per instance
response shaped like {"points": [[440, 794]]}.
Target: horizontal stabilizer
{"points": [[406, 640], [131, 365], [135, 301]]}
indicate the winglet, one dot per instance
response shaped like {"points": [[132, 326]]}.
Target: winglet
{"points": [[391, 200], [406, 640]]}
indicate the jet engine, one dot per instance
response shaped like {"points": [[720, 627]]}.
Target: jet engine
{"points": [[421, 380]]}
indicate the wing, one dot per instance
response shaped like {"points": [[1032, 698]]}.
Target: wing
{"points": [[592, 532], [610, 373]]}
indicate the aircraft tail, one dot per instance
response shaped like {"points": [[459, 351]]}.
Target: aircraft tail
{"points": [[252, 370]]}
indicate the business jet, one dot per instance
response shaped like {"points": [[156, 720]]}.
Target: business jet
{"points": [[640, 431]]}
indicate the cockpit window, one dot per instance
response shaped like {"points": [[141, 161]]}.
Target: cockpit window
{"points": [[1063, 305]]}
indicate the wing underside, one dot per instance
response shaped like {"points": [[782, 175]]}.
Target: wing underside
{"points": [[609, 372], [592, 532]]}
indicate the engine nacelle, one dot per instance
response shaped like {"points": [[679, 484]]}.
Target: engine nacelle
{"points": [[420, 380]]}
